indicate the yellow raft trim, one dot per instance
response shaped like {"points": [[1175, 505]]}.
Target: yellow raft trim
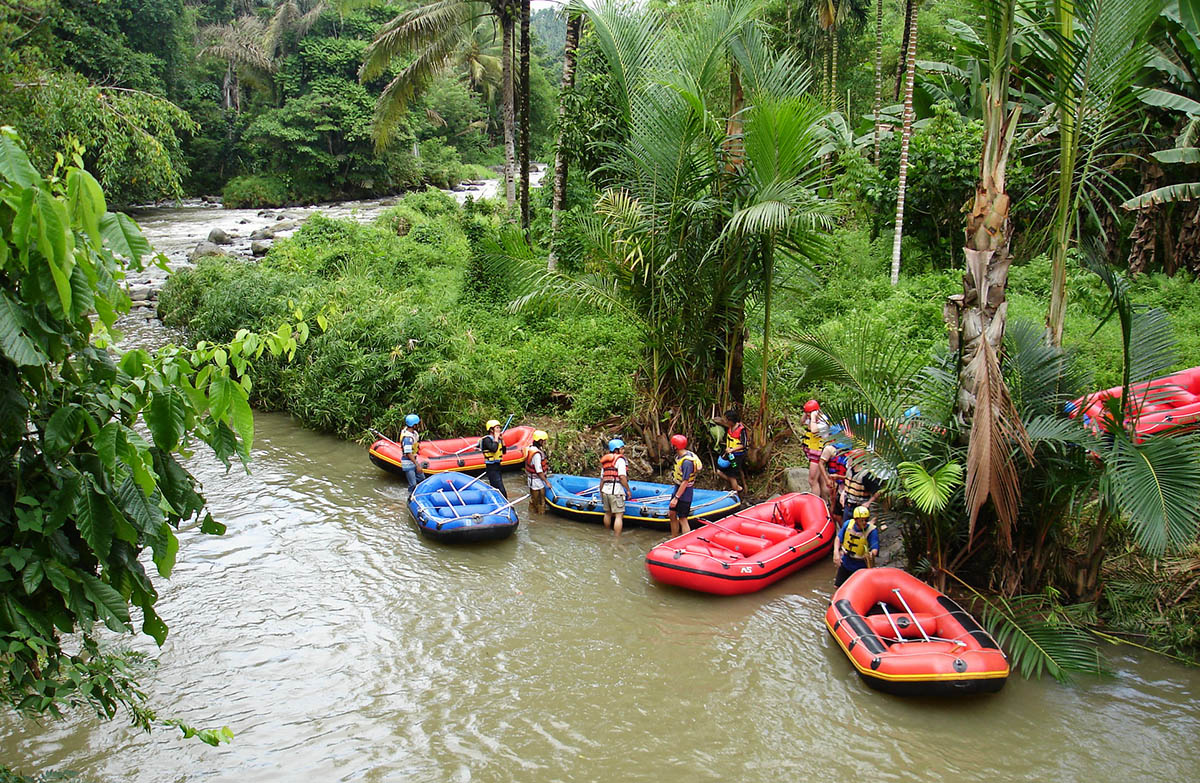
{"points": [[663, 520], [867, 672]]}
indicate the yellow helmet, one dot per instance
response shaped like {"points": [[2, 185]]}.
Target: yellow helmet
{"points": [[862, 512], [492, 423], [539, 435]]}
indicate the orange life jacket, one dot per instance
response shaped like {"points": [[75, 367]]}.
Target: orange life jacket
{"points": [[608, 468], [529, 452]]}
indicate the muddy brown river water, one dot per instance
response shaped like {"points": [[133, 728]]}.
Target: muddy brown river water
{"points": [[339, 645]]}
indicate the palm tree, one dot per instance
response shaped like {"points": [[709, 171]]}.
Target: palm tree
{"points": [[526, 125], [778, 204], [878, 76], [977, 316], [910, 68], [1086, 66], [242, 44], [559, 202], [438, 33]]}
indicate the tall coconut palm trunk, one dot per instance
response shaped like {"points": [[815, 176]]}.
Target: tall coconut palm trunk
{"points": [[526, 125], [878, 76], [507, 108], [559, 202], [833, 66], [910, 67], [977, 317]]}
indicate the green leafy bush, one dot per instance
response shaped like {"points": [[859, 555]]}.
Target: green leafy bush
{"points": [[254, 191]]}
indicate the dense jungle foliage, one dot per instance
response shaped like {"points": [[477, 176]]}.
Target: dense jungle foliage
{"points": [[946, 225], [255, 99]]}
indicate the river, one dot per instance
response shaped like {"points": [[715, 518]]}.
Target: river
{"points": [[338, 644]]}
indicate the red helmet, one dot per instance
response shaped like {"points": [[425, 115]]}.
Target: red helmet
{"points": [[812, 405], [679, 441]]}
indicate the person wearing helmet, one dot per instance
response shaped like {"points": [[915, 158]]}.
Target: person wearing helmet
{"points": [[614, 485], [410, 446], [493, 448], [687, 465], [860, 486], [734, 455], [536, 472], [856, 546], [816, 429]]}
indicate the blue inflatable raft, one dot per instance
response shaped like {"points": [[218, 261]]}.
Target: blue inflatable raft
{"points": [[578, 498], [455, 507]]}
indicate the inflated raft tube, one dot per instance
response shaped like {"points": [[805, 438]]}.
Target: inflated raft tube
{"points": [[906, 638], [455, 507], [1155, 405], [461, 455], [749, 550], [578, 498]]}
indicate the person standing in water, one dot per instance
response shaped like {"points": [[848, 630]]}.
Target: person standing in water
{"points": [[536, 472], [614, 485], [493, 448], [687, 466], [410, 447]]}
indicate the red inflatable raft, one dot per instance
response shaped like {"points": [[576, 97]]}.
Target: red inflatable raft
{"points": [[1154, 405], [906, 638], [460, 454], [748, 550]]}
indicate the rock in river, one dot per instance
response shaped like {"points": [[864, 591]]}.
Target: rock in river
{"points": [[205, 249], [218, 237], [263, 233], [258, 248]]}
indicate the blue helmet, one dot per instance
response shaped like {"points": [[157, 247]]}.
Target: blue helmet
{"points": [[616, 443], [835, 429], [723, 463], [913, 411], [412, 420]]}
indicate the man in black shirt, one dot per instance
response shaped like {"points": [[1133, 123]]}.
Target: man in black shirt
{"points": [[493, 448]]}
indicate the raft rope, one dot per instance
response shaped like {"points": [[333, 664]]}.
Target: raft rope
{"points": [[957, 640]]}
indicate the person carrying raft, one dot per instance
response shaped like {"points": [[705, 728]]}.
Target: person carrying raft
{"points": [[832, 472], [410, 446], [731, 466], [856, 546], [536, 472], [614, 485], [687, 466], [493, 448]]}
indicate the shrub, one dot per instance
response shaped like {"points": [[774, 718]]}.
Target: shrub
{"points": [[253, 191]]}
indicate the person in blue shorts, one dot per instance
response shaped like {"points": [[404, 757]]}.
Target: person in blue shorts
{"points": [[683, 476], [856, 545]]}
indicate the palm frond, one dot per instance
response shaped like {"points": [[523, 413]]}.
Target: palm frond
{"points": [[1155, 486], [1039, 643], [931, 492]]}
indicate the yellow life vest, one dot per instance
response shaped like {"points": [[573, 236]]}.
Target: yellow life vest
{"points": [[416, 440], [733, 438], [855, 543], [697, 466], [493, 456]]}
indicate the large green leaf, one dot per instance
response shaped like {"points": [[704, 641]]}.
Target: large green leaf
{"points": [[63, 430], [14, 163], [166, 418], [1189, 15], [13, 340], [134, 503], [92, 517], [1040, 642], [55, 243], [1153, 96], [1177, 155], [109, 605], [930, 491], [1183, 191], [164, 554], [124, 238]]}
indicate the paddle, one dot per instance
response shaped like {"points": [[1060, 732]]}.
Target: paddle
{"points": [[381, 436]]}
